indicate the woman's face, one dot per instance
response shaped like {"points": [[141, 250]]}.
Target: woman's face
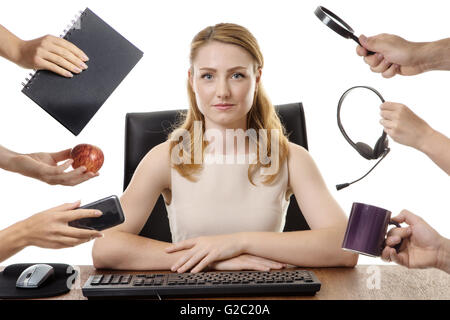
{"points": [[224, 80]]}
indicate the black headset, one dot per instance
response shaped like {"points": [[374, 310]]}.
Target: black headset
{"points": [[381, 148]]}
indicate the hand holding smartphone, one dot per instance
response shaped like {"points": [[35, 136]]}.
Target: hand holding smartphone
{"points": [[112, 215]]}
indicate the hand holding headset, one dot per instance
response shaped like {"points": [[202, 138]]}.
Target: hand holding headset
{"points": [[381, 146]]}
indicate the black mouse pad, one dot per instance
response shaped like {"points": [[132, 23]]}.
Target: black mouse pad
{"points": [[58, 284]]}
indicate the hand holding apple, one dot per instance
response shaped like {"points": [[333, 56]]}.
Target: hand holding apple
{"points": [[88, 156], [45, 166]]}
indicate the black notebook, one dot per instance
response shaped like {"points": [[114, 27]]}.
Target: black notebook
{"points": [[74, 101]]}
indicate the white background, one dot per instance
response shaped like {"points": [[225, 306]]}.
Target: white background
{"points": [[304, 61]]}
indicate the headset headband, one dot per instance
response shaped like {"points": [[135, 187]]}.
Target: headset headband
{"points": [[383, 136]]}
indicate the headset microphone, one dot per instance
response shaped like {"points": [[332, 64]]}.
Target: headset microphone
{"points": [[345, 185], [380, 149]]}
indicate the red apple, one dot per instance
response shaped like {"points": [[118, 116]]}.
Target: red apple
{"points": [[87, 155]]}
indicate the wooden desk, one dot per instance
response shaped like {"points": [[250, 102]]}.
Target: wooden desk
{"points": [[362, 282]]}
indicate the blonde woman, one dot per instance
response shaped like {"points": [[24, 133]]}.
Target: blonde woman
{"points": [[226, 215]]}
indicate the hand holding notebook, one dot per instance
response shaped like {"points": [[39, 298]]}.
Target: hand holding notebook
{"points": [[48, 52], [74, 101], [54, 54]]}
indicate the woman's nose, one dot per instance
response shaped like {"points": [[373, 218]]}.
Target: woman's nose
{"points": [[223, 89]]}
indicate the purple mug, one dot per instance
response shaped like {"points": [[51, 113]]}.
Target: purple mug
{"points": [[367, 229]]}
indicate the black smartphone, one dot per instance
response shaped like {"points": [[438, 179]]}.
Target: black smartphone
{"points": [[112, 215]]}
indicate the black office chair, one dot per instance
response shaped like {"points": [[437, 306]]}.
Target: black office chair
{"points": [[145, 130]]}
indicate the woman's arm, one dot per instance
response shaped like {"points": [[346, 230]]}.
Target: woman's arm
{"points": [[318, 247], [122, 247]]}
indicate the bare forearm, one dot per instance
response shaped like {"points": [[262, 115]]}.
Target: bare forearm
{"points": [[125, 251], [9, 45], [437, 147], [12, 240], [444, 256], [6, 158], [312, 248], [438, 54]]}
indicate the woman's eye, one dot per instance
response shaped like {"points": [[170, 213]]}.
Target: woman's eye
{"points": [[237, 75], [207, 76]]}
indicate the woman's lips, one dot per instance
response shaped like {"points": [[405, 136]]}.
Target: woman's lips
{"points": [[223, 106]]}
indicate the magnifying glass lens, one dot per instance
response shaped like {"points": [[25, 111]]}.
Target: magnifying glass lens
{"points": [[336, 24]]}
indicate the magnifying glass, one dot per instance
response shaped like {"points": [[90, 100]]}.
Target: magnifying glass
{"points": [[337, 24]]}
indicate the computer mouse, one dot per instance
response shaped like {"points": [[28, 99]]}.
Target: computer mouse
{"points": [[34, 276]]}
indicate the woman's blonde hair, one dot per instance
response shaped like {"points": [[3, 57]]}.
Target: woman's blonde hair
{"points": [[262, 114]]}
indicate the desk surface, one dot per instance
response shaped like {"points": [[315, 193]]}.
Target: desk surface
{"points": [[362, 282]]}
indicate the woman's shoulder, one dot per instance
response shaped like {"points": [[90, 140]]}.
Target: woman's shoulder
{"points": [[160, 152], [297, 152], [299, 158]]}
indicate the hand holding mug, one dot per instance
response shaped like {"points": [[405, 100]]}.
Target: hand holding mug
{"points": [[421, 243]]}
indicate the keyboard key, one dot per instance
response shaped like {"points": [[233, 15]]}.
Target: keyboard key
{"points": [[96, 280], [139, 282], [106, 279], [116, 279], [125, 279], [148, 282]]}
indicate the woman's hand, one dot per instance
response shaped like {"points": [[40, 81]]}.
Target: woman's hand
{"points": [[51, 53], [50, 229], [246, 262], [44, 166], [202, 251]]}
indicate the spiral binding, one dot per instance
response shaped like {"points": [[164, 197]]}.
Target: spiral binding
{"points": [[76, 24]]}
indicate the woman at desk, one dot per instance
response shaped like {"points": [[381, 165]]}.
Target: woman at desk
{"points": [[226, 216]]}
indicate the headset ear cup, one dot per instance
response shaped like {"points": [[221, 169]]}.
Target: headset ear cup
{"points": [[380, 147], [364, 150]]}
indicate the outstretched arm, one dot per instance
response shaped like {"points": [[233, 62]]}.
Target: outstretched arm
{"points": [[395, 55], [48, 229], [405, 127]]}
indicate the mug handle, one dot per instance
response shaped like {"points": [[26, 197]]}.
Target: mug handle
{"points": [[397, 247]]}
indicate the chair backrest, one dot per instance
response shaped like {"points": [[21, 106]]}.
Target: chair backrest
{"points": [[145, 130]]}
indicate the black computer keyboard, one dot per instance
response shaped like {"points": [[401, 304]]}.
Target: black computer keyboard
{"points": [[203, 284]]}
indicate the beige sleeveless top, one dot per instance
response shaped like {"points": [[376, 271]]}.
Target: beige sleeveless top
{"points": [[223, 201]]}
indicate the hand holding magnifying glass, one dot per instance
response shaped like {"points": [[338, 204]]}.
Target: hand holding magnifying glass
{"points": [[337, 24]]}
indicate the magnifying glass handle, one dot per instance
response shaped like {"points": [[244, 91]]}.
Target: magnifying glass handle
{"points": [[355, 38]]}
